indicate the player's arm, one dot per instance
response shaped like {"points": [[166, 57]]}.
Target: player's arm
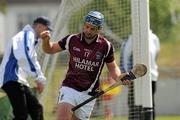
{"points": [[114, 70], [111, 64], [116, 73], [113, 67], [47, 45]]}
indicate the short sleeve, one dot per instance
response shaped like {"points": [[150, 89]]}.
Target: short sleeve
{"points": [[110, 56], [63, 41]]}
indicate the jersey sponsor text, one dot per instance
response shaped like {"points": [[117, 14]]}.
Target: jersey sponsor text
{"points": [[84, 64]]}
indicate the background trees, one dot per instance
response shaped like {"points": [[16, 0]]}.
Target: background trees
{"points": [[165, 19], [3, 5]]}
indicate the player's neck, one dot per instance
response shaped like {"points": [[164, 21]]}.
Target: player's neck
{"points": [[90, 40]]}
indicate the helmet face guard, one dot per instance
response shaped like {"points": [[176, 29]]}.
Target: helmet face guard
{"points": [[94, 18]]}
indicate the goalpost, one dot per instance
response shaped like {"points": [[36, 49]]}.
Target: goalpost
{"points": [[141, 51], [122, 17]]}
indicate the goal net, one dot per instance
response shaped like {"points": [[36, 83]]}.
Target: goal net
{"points": [[122, 18]]}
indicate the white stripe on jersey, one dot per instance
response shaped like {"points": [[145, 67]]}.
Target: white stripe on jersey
{"points": [[109, 47], [68, 40]]}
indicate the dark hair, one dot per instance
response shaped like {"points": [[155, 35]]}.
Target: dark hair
{"points": [[43, 20]]}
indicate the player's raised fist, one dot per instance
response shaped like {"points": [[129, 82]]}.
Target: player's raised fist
{"points": [[45, 35]]}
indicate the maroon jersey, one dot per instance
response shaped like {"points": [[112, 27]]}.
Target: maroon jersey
{"points": [[86, 61]]}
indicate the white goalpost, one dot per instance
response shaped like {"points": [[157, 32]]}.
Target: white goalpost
{"points": [[141, 51], [122, 17]]}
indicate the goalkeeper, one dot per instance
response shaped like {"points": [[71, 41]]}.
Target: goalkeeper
{"points": [[88, 53], [20, 60]]}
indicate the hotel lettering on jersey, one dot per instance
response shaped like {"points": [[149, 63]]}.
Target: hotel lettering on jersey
{"points": [[84, 64]]}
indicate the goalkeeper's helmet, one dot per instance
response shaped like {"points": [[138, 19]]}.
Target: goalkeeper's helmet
{"points": [[94, 18]]}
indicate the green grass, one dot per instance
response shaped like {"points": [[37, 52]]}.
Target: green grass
{"points": [[169, 54], [157, 118], [5, 109], [168, 118], [168, 60]]}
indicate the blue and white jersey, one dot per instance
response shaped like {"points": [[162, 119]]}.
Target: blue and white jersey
{"points": [[20, 59]]}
